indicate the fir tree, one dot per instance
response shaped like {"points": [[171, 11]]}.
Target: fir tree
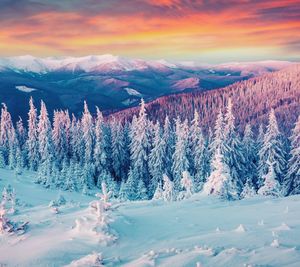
{"points": [[271, 186], [180, 157], [234, 155], [32, 140], [292, 179], [45, 146], [250, 155], [168, 189], [157, 164], [272, 150], [248, 190], [139, 147], [198, 155], [87, 134], [220, 182]]}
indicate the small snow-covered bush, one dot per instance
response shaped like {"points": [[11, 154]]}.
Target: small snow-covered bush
{"points": [[58, 202]]}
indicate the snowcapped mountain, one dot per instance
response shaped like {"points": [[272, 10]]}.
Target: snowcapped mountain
{"points": [[103, 80]]}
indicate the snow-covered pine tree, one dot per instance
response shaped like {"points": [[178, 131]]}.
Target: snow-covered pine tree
{"points": [[169, 141], [157, 164], [21, 133], [130, 188], [45, 145], [181, 153], [111, 184], [292, 179], [99, 155], [250, 155], [76, 141], [272, 150], [6, 132], [32, 140], [218, 137], [87, 134], [220, 181], [198, 153], [59, 136], [271, 186], [158, 194], [249, 189], [234, 156], [141, 192], [139, 148], [120, 156], [187, 184], [123, 192], [70, 182], [168, 189], [88, 174], [13, 147]]}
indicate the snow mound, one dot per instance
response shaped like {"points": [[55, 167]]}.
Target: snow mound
{"points": [[91, 260], [275, 243], [205, 251], [282, 227], [240, 229], [25, 89]]}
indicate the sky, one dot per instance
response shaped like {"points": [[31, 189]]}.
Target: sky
{"points": [[201, 30]]}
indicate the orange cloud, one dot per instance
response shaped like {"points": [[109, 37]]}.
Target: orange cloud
{"points": [[191, 29]]}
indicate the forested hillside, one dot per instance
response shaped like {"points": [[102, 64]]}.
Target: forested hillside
{"points": [[254, 99]]}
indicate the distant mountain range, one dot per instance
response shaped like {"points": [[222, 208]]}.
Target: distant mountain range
{"points": [[252, 100], [112, 82]]}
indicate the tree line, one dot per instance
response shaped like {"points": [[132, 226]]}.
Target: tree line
{"points": [[145, 159]]}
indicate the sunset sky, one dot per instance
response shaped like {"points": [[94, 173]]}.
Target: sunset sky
{"points": [[208, 31]]}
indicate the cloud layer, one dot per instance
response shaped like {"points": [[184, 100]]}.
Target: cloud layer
{"points": [[173, 29]]}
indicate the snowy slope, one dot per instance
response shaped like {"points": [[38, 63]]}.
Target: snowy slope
{"points": [[202, 229]]}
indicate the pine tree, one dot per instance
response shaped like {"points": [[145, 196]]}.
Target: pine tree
{"points": [[273, 150], [120, 156], [32, 140], [271, 186], [187, 185], [198, 155], [139, 147], [123, 192], [181, 153], [234, 156], [157, 164], [169, 141], [292, 179], [6, 132], [248, 190], [158, 194], [131, 186], [100, 156], [45, 145], [88, 134], [250, 155], [220, 181], [70, 183], [59, 136], [168, 189], [141, 193]]}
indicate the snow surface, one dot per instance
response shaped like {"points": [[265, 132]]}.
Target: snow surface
{"points": [[133, 92], [25, 89], [188, 83], [252, 232]]}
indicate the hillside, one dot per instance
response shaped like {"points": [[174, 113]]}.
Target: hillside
{"points": [[201, 230], [252, 101], [111, 82]]}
